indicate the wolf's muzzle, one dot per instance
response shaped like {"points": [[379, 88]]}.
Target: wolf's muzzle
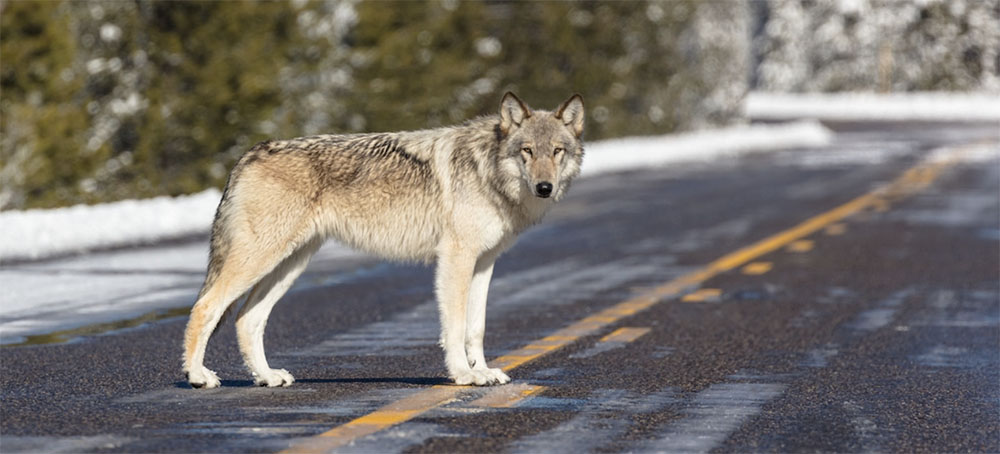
{"points": [[543, 189]]}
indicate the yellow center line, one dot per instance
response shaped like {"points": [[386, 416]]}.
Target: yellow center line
{"points": [[757, 268], [880, 205], [912, 181], [702, 295], [625, 335], [385, 417], [801, 246], [836, 229]]}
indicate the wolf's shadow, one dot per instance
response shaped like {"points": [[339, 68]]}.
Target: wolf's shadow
{"points": [[419, 381]]}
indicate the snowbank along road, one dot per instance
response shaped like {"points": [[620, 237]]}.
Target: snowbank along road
{"points": [[841, 298]]}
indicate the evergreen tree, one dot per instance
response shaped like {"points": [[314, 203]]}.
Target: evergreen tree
{"points": [[113, 100], [42, 115], [424, 65]]}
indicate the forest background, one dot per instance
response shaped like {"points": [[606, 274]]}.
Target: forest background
{"points": [[104, 101]]}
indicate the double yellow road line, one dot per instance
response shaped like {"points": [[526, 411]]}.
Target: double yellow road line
{"points": [[913, 180]]}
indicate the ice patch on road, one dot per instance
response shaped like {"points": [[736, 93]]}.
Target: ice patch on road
{"points": [[556, 283], [960, 207], [975, 154], [853, 154], [103, 287], [943, 356], [819, 357], [714, 414], [397, 439], [964, 209], [602, 419], [966, 310], [44, 297], [873, 319], [866, 431], [882, 314], [14, 444]]}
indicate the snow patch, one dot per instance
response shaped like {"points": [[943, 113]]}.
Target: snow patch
{"points": [[642, 152], [33, 234], [920, 106]]}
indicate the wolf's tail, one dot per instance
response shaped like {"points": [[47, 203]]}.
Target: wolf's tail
{"points": [[220, 243], [219, 247]]}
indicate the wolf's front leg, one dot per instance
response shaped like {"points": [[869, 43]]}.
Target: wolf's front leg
{"points": [[455, 268], [476, 319]]}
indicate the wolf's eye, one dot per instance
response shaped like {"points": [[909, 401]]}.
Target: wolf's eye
{"points": [[557, 150], [527, 150]]}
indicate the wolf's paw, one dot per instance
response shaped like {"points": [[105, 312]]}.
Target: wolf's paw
{"points": [[498, 374], [203, 378], [481, 377], [273, 378]]}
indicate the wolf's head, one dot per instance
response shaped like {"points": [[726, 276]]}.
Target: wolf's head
{"points": [[544, 147]]}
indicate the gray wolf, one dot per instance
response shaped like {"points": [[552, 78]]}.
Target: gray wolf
{"points": [[456, 195]]}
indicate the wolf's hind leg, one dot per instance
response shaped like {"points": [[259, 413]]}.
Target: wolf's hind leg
{"points": [[252, 319], [234, 278], [205, 316]]}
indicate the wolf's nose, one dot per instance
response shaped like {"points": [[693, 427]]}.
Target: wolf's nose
{"points": [[543, 189]]}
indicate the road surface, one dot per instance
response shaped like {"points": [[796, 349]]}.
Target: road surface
{"points": [[840, 299]]}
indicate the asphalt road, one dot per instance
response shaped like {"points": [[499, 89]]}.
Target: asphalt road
{"points": [[727, 306]]}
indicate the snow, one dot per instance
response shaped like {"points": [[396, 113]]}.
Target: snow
{"points": [[926, 106], [35, 234], [707, 145]]}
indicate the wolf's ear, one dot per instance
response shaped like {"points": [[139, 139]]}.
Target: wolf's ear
{"points": [[571, 114], [512, 112]]}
